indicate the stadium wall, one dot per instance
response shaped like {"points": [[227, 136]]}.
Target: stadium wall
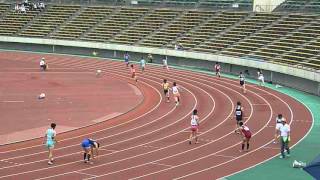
{"points": [[301, 79]]}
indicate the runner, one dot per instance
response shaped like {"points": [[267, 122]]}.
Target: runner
{"points": [[166, 88], [176, 94], [239, 115], [279, 124], [165, 63], [43, 64], [126, 58], [194, 126], [90, 148], [50, 141], [142, 64], [217, 68], [260, 77], [246, 136], [133, 73], [242, 82]]}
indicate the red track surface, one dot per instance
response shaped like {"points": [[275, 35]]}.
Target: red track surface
{"points": [[151, 141]]}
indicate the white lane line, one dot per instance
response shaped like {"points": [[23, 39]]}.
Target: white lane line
{"points": [[135, 90], [161, 164], [226, 156]]}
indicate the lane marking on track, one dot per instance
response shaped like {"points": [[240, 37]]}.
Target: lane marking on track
{"points": [[135, 90], [226, 156], [103, 149], [12, 101], [9, 162], [260, 104], [149, 146], [303, 121], [161, 164], [188, 131], [87, 174], [268, 147]]}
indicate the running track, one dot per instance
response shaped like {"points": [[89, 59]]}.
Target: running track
{"points": [[151, 141]]}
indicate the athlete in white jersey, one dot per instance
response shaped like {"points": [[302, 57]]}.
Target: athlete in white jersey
{"points": [[176, 94], [194, 126]]}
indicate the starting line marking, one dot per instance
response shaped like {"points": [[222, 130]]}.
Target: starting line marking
{"points": [[12, 101]]}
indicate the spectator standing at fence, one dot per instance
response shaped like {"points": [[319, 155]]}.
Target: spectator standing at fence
{"points": [[217, 68], [150, 58], [142, 64], [165, 63], [260, 77], [242, 82], [284, 138], [126, 58]]}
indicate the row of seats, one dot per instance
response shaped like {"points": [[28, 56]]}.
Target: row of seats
{"points": [[218, 4], [11, 22], [49, 20], [300, 5]]}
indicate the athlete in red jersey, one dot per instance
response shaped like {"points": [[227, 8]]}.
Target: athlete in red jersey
{"points": [[246, 136]]}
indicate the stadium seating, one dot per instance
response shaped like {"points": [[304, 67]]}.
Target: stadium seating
{"points": [[11, 22], [285, 38], [88, 18], [186, 21], [152, 21], [118, 21], [3, 8], [49, 20]]}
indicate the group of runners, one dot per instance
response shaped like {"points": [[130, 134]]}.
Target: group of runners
{"points": [[90, 147]]}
